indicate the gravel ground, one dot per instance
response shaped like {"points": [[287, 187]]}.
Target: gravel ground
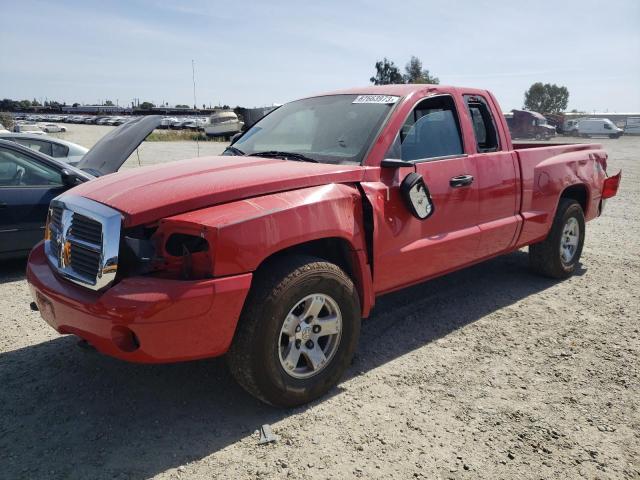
{"points": [[490, 372]]}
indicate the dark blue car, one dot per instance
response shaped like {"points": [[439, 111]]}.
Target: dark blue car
{"points": [[29, 180]]}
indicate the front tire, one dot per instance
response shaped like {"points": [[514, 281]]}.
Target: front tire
{"points": [[558, 255], [297, 333]]}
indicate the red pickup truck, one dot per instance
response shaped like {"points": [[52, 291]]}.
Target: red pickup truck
{"points": [[272, 253]]}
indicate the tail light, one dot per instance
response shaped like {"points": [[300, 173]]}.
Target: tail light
{"points": [[611, 184]]}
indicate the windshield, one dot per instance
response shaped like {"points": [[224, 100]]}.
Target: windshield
{"points": [[334, 129], [542, 121]]}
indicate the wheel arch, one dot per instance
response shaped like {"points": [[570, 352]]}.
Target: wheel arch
{"points": [[337, 250], [578, 192]]}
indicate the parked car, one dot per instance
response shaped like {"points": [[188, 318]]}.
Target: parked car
{"points": [[28, 128], [179, 123], [167, 122], [28, 182], [30, 179], [273, 252], [527, 124], [53, 128], [2, 129], [591, 127], [195, 124], [68, 152]]}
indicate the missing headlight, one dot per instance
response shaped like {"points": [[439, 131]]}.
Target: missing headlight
{"points": [[178, 243]]}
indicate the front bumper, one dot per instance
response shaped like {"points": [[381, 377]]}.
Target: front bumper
{"points": [[142, 319]]}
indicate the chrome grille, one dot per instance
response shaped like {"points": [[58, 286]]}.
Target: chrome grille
{"points": [[86, 229], [55, 225], [56, 217], [84, 239], [84, 261]]}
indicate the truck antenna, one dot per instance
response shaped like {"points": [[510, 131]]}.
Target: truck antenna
{"points": [[193, 76]]}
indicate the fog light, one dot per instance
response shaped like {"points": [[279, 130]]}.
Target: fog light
{"points": [[125, 339]]}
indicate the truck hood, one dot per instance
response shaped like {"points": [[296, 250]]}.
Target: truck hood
{"points": [[148, 194]]}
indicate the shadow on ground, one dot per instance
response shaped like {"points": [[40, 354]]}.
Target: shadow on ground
{"points": [[12, 270], [68, 413]]}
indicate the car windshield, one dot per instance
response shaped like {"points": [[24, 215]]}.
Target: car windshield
{"points": [[334, 129]]}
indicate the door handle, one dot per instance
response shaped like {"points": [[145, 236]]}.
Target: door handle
{"points": [[461, 181]]}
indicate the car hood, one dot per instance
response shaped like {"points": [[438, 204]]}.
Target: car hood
{"points": [[112, 150], [148, 194]]}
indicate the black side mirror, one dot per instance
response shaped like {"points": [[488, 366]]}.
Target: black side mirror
{"points": [[235, 137], [69, 178], [416, 196]]}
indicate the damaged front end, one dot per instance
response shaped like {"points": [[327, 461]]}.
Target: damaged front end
{"points": [[166, 250]]}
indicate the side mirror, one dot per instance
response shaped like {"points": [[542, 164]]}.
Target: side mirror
{"points": [[69, 178], [235, 137], [416, 196]]}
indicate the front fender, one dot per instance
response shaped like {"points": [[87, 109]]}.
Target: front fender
{"points": [[244, 233]]}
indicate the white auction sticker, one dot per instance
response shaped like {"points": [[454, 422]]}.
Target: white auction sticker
{"points": [[375, 99]]}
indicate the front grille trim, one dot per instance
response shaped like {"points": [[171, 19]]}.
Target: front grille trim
{"points": [[95, 241]]}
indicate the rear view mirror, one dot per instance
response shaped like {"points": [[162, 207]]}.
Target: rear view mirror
{"points": [[416, 196]]}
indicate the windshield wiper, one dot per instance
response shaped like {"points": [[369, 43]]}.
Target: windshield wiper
{"points": [[285, 155], [234, 150]]}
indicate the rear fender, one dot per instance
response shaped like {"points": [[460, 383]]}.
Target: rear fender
{"points": [[548, 181]]}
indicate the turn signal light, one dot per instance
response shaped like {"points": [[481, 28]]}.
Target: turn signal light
{"points": [[611, 184]]}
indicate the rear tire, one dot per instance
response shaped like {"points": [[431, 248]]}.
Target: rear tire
{"points": [[286, 352], [558, 255]]}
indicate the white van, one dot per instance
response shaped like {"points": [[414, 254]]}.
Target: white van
{"points": [[589, 127]]}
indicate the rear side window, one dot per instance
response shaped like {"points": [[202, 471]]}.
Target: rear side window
{"points": [[484, 126], [37, 145], [59, 151], [432, 130]]}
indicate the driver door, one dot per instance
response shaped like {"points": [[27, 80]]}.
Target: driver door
{"points": [[408, 249], [26, 188]]}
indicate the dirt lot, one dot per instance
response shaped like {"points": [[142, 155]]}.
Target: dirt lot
{"points": [[490, 372]]}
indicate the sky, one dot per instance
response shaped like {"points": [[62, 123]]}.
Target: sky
{"points": [[254, 53]]}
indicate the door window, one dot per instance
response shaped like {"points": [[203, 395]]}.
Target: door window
{"points": [[18, 170], [483, 125], [432, 130]]}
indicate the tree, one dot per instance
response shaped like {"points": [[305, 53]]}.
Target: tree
{"points": [[415, 74], [8, 105], [386, 73], [6, 119], [108, 103], [146, 106], [547, 98], [182, 105]]}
